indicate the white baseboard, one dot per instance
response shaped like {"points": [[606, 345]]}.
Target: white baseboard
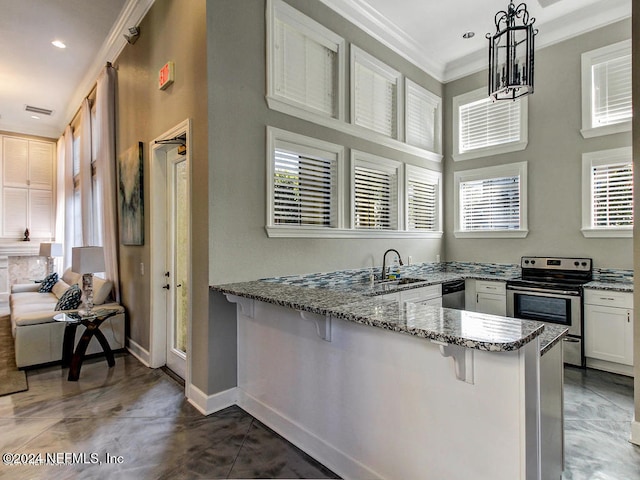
{"points": [[208, 404], [328, 455], [610, 367], [635, 432], [137, 351]]}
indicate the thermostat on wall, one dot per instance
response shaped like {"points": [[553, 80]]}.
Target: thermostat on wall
{"points": [[165, 76]]}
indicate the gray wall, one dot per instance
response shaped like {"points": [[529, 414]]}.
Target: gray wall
{"points": [[554, 157], [238, 115]]}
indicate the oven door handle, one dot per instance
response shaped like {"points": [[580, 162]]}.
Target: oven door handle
{"points": [[542, 290]]}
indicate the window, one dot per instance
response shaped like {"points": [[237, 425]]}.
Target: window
{"points": [[606, 90], [374, 94], [423, 199], [304, 63], [491, 201], [423, 118], [482, 127], [607, 193], [375, 185], [304, 189]]}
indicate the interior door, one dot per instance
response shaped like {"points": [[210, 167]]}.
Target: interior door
{"points": [[177, 261]]}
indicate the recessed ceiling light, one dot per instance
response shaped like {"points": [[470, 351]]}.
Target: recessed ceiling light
{"points": [[35, 117], [468, 34], [58, 43]]}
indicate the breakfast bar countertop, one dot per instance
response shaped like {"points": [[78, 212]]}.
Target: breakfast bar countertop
{"points": [[468, 329]]}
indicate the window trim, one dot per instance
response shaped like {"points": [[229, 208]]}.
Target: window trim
{"points": [[275, 135], [430, 176], [358, 55], [374, 161], [588, 60], [601, 157], [462, 176], [279, 10], [474, 96], [431, 97]]}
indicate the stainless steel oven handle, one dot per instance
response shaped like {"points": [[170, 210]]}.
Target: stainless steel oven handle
{"points": [[570, 340], [542, 290]]}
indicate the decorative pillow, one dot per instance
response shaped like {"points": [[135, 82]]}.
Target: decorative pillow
{"points": [[59, 288], [101, 290], [48, 283], [70, 300], [71, 277]]}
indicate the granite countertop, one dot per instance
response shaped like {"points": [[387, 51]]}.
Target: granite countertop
{"points": [[468, 329], [611, 286]]}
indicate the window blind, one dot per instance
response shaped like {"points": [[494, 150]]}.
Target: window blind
{"points": [[375, 101], [611, 91], [612, 189], [375, 198], [422, 197], [484, 123], [421, 118], [305, 69], [303, 188], [490, 204]]}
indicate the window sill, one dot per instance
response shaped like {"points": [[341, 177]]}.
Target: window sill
{"points": [[486, 152], [491, 234], [311, 232], [606, 130], [607, 232]]}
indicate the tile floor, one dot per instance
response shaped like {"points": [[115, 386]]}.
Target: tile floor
{"points": [[141, 415]]}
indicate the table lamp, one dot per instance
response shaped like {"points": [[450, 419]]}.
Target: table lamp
{"points": [[87, 261], [50, 250]]}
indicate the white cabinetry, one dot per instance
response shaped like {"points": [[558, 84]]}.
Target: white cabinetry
{"points": [[430, 295], [608, 330], [28, 170], [486, 296]]}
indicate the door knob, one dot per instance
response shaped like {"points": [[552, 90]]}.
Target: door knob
{"points": [[167, 286]]}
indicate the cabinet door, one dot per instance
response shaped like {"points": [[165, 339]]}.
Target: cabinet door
{"points": [[609, 333], [15, 162], [41, 165], [15, 211], [491, 303], [41, 213]]}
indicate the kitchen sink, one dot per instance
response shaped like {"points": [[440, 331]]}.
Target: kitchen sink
{"points": [[399, 281]]}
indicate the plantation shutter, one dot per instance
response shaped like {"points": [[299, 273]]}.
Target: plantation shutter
{"points": [[611, 91], [375, 197], [484, 123], [306, 69], [490, 204], [375, 101], [422, 202], [421, 118], [612, 188], [303, 188]]}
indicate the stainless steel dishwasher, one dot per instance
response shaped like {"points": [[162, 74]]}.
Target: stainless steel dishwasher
{"points": [[453, 294]]}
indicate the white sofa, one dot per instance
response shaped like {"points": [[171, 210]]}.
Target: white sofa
{"points": [[38, 337]]}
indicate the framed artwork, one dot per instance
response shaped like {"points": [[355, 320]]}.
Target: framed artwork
{"points": [[130, 196]]}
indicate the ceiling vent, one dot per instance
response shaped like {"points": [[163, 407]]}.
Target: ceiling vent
{"points": [[38, 110], [546, 3]]}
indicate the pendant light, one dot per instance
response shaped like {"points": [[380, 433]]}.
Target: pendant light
{"points": [[511, 54]]}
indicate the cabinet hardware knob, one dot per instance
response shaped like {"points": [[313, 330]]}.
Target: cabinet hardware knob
{"points": [[167, 286]]}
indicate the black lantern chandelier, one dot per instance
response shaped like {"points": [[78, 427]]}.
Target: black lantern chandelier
{"points": [[511, 54]]}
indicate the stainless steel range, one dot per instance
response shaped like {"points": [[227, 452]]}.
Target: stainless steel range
{"points": [[550, 291]]}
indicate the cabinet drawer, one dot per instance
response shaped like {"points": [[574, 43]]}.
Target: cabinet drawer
{"points": [[483, 286], [424, 293], [608, 298]]}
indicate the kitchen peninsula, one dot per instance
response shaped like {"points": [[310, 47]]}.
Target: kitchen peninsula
{"points": [[380, 389]]}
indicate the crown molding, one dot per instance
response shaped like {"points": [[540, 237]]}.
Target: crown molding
{"points": [[367, 18], [131, 15]]}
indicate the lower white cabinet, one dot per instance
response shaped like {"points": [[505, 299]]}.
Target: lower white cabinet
{"points": [[485, 296], [430, 295], [608, 327]]}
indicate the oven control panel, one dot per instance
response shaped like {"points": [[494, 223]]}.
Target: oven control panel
{"points": [[557, 263]]}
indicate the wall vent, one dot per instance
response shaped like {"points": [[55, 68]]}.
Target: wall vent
{"points": [[38, 110]]}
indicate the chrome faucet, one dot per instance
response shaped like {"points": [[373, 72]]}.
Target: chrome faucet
{"points": [[384, 275]]}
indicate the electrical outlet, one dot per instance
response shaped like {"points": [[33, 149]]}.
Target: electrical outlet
{"points": [[142, 268], [409, 260], [437, 258]]}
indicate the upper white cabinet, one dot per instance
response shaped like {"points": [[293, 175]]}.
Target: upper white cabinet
{"points": [[608, 325], [28, 168]]}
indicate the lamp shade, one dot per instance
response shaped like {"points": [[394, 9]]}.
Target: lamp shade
{"points": [[87, 259], [50, 249]]}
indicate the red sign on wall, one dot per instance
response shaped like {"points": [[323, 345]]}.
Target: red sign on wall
{"points": [[165, 76]]}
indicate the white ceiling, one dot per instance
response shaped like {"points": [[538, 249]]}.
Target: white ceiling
{"points": [[427, 32]]}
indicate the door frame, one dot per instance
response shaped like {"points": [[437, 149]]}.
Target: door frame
{"points": [[158, 245]]}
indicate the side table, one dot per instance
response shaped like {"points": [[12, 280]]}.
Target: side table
{"points": [[73, 359]]}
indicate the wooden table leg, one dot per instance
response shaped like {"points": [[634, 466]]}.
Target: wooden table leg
{"points": [[92, 329], [67, 343]]}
